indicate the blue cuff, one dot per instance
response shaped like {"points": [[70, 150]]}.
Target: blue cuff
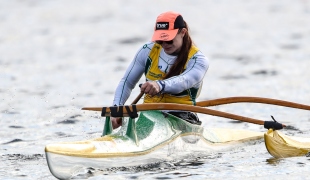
{"points": [[163, 85]]}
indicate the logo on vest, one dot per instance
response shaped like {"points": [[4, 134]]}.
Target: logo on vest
{"points": [[162, 25], [154, 75]]}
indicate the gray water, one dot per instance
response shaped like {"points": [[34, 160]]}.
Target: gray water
{"points": [[59, 56]]}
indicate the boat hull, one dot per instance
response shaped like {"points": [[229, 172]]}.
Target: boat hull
{"points": [[283, 146], [158, 137]]}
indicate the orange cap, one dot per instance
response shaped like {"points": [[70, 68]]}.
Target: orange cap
{"points": [[167, 26]]}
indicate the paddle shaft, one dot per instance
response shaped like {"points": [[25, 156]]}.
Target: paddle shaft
{"points": [[137, 98]]}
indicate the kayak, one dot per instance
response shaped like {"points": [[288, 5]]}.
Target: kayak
{"points": [[153, 137], [280, 145]]}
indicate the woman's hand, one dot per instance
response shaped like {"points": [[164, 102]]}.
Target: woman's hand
{"points": [[116, 122], [150, 87]]}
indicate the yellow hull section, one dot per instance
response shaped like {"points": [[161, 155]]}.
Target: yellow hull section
{"points": [[282, 146]]}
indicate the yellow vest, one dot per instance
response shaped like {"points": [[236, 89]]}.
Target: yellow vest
{"points": [[153, 73]]}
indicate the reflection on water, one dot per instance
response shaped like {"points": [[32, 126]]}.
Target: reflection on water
{"points": [[273, 161], [155, 169]]}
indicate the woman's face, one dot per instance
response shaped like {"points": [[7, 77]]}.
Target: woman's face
{"points": [[175, 47]]}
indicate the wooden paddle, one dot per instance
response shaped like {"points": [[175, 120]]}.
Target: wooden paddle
{"points": [[137, 98]]}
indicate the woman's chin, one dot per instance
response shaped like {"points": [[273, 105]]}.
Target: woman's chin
{"points": [[169, 51]]}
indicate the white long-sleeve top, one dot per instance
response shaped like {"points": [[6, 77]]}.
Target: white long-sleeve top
{"points": [[192, 77]]}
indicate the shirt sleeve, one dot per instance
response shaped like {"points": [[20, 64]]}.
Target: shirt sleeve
{"points": [[192, 77], [132, 75]]}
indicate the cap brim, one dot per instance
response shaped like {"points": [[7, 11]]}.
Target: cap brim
{"points": [[164, 35]]}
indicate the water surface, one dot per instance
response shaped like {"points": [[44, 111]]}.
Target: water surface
{"points": [[59, 56]]}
